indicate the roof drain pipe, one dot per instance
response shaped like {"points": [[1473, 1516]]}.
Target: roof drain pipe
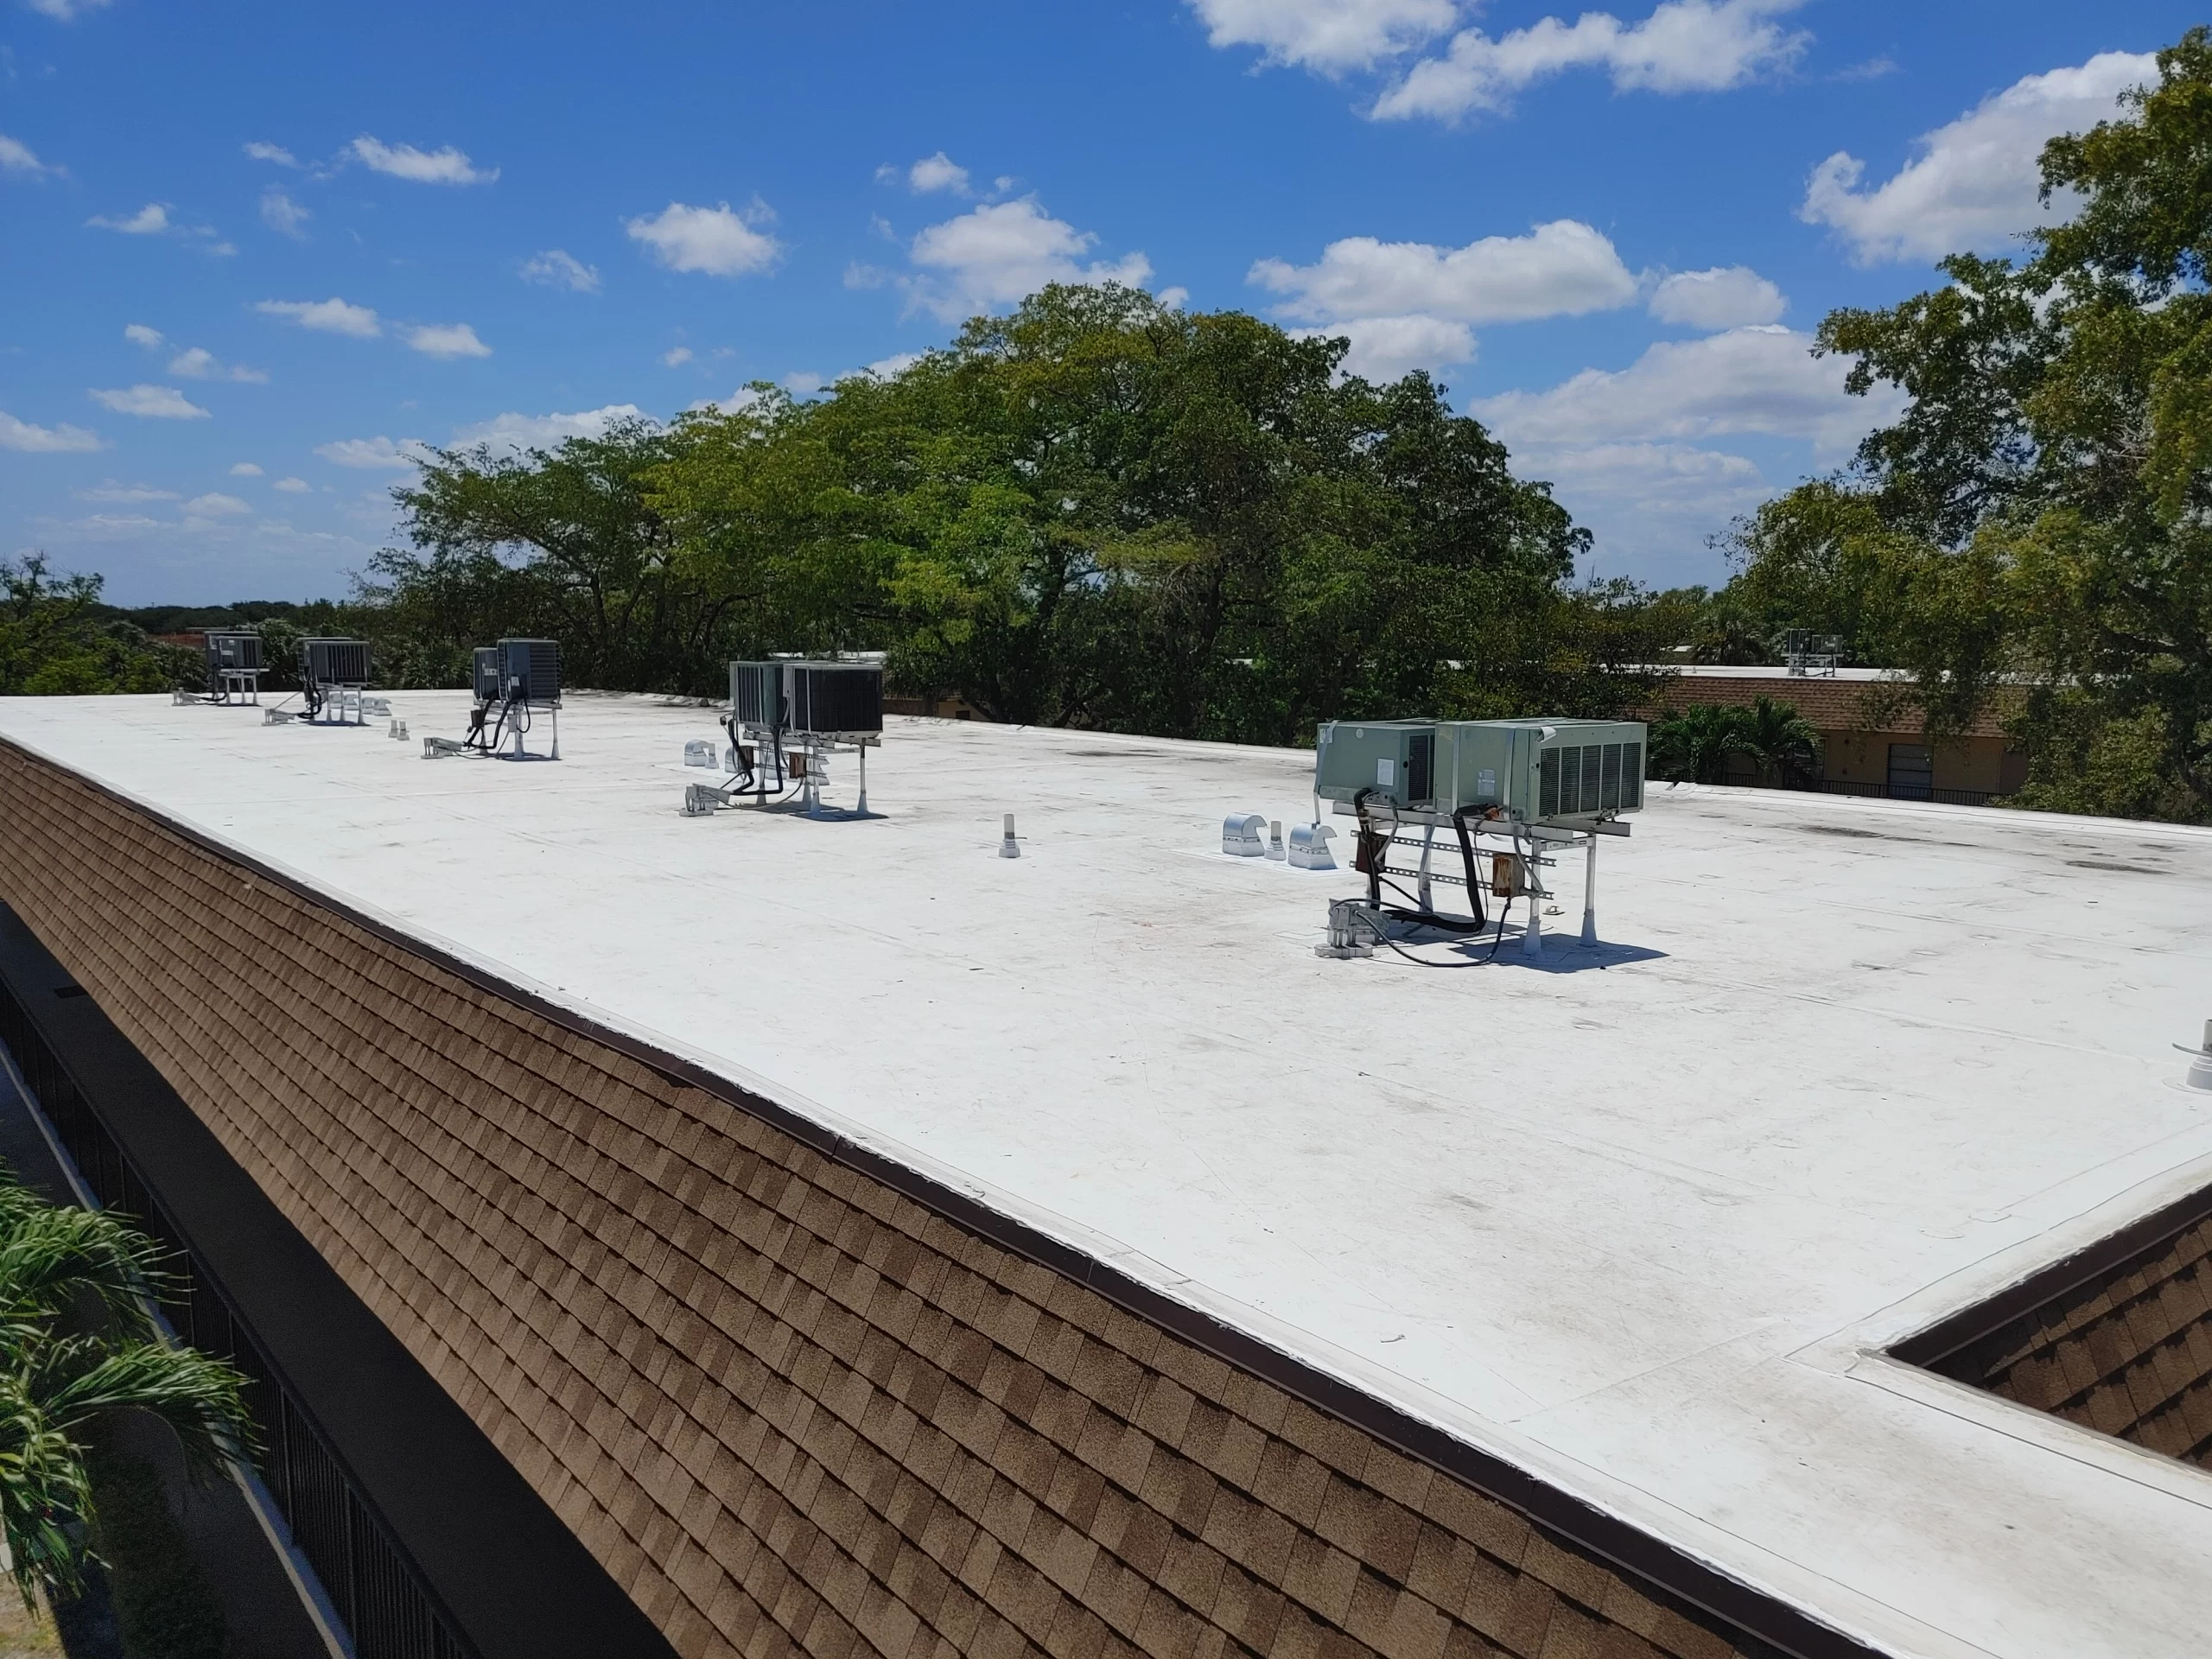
{"points": [[2200, 1062]]}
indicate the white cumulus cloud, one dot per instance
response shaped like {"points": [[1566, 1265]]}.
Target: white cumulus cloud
{"points": [[282, 215], [331, 316], [276, 153], [292, 486], [446, 340], [1762, 379], [557, 268], [937, 172], [518, 431], [1004, 252], [44, 440], [375, 453], [245, 469], [1727, 296], [1388, 348], [112, 490], [890, 367], [65, 11], [151, 403], [446, 166], [16, 156], [152, 220], [1562, 268], [675, 357], [201, 363], [1328, 36], [213, 506], [711, 240], [1684, 46], [139, 334], [1974, 182]]}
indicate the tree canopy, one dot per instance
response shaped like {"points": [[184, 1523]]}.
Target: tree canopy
{"points": [[2037, 525], [1098, 511]]}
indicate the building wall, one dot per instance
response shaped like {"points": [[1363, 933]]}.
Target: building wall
{"points": [[1857, 726], [1981, 763], [791, 1409], [2127, 1353]]}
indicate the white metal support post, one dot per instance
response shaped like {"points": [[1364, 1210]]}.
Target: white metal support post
{"points": [[864, 806], [1589, 895], [1428, 846], [556, 731]]}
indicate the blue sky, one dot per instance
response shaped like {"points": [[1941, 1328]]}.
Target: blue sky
{"points": [[250, 253]]}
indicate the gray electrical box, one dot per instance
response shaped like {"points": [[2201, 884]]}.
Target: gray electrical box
{"points": [[1535, 771], [1393, 761], [484, 675], [529, 671]]}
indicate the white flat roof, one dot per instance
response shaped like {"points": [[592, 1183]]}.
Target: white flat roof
{"points": [[1638, 1219]]}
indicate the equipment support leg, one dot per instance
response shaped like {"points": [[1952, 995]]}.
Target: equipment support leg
{"points": [[864, 806], [556, 732], [1589, 895], [1428, 846]]}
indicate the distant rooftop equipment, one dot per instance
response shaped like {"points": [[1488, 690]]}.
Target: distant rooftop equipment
{"points": [[332, 675], [513, 681], [234, 666], [787, 717], [1807, 654], [1540, 786]]}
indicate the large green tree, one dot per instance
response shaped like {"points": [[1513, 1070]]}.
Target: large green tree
{"points": [[2036, 530], [56, 640], [1095, 511]]}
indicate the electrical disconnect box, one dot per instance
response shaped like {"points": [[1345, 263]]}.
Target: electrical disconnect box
{"points": [[484, 675], [1534, 772]]}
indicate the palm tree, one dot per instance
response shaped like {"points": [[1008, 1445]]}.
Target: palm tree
{"points": [[1695, 745], [1782, 743], [79, 1342]]}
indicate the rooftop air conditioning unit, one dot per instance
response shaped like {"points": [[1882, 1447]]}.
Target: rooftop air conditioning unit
{"points": [[835, 699], [756, 694], [530, 671], [1535, 772], [334, 661], [238, 654]]}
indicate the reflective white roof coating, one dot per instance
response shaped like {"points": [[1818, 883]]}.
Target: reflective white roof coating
{"points": [[1637, 1218]]}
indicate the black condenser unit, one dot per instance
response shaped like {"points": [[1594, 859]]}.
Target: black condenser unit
{"points": [[334, 661], [836, 699], [532, 669]]}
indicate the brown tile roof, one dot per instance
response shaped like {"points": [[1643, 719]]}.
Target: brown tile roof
{"points": [[792, 1410]]}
